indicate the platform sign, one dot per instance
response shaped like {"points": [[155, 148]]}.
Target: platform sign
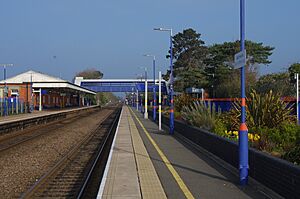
{"points": [[193, 90], [240, 59]]}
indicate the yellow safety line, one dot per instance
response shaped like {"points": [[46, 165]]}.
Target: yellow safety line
{"points": [[178, 179]]}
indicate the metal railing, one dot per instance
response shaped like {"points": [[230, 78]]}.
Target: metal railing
{"points": [[12, 106]]}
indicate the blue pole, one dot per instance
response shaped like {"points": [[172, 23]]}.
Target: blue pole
{"points": [[243, 131], [298, 112], [297, 93], [171, 86], [154, 91], [31, 96], [5, 92]]}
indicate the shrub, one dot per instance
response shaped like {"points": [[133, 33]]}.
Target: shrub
{"points": [[181, 101], [286, 136], [166, 110], [220, 128], [283, 140], [293, 155], [177, 115], [263, 110], [201, 115], [265, 143]]}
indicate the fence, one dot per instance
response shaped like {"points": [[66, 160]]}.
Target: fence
{"points": [[225, 104], [11, 106]]}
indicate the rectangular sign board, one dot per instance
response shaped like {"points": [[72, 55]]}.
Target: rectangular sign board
{"points": [[240, 59]]}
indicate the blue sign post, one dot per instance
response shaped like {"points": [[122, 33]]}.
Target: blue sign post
{"points": [[297, 93], [5, 92], [243, 131], [171, 86], [154, 91]]}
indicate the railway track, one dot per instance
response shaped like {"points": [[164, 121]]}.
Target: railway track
{"points": [[35, 132], [72, 175]]}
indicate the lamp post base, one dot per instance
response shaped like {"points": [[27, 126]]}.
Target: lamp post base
{"points": [[146, 115]]}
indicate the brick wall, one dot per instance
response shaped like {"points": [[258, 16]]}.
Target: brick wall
{"points": [[49, 100]]}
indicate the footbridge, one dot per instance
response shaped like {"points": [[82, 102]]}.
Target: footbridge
{"points": [[120, 85]]}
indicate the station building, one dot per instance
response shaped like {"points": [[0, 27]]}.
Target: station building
{"points": [[42, 91]]}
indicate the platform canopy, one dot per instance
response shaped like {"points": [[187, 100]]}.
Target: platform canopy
{"points": [[44, 81]]}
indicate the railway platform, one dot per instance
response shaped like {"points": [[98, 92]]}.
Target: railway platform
{"points": [[36, 114], [11, 124], [147, 163]]}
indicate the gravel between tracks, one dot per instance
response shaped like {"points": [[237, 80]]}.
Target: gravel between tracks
{"points": [[21, 166]]}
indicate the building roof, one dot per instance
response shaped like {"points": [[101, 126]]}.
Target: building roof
{"points": [[41, 80], [32, 76], [68, 85]]}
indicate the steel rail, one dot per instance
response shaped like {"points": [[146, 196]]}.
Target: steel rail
{"points": [[23, 137], [100, 153], [37, 185]]}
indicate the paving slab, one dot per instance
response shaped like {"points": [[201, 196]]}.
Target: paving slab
{"points": [[131, 173]]}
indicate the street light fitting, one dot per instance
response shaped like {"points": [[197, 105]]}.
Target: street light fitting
{"points": [[141, 67], [148, 55], [163, 29], [5, 65]]}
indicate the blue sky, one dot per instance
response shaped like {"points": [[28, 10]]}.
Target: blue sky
{"points": [[112, 35]]}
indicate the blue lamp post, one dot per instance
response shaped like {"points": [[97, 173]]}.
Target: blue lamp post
{"points": [[154, 89], [243, 131], [171, 79], [140, 99]]}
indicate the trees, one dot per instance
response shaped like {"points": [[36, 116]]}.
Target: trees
{"points": [[277, 82], [189, 54], [210, 67], [294, 68], [190, 77], [90, 73], [221, 54], [220, 60]]}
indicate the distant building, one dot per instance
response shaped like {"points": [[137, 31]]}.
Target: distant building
{"points": [[44, 91]]}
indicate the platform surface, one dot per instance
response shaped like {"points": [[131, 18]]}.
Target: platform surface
{"points": [[129, 172], [145, 162], [201, 175], [35, 114]]}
